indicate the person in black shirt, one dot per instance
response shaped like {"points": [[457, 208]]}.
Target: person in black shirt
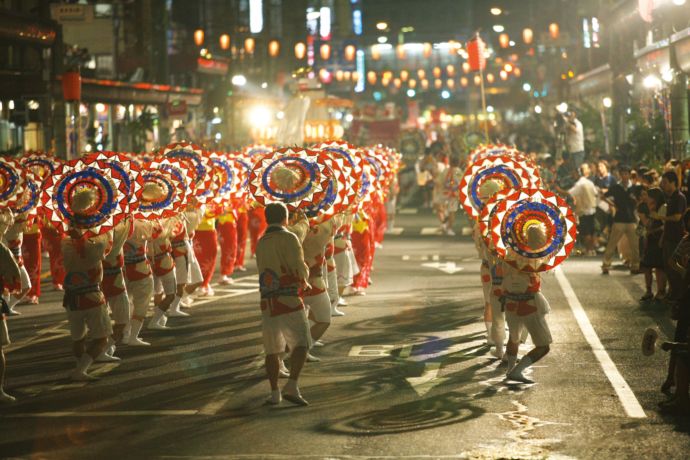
{"points": [[673, 227], [621, 198]]}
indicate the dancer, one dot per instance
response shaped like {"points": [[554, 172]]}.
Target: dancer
{"points": [[9, 276], [87, 311], [179, 247], [164, 281], [526, 307], [242, 235], [227, 239], [206, 251], [138, 276], [114, 290], [52, 239], [282, 274], [32, 256], [13, 239]]}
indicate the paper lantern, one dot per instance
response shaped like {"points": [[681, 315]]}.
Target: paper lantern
{"points": [[371, 77], [504, 40], [71, 86], [421, 73], [517, 72], [554, 30], [339, 75], [424, 83], [437, 72], [347, 75], [465, 66], [224, 41], [300, 50], [438, 84], [397, 83], [325, 51], [273, 48], [475, 54], [464, 82], [199, 37], [400, 52], [375, 53], [412, 83], [450, 83], [325, 76], [490, 77], [427, 50], [249, 45], [350, 52], [477, 80], [450, 70], [504, 75], [527, 35], [404, 74]]}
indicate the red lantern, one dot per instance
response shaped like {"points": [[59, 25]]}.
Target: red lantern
{"points": [[249, 45], [475, 52], [71, 86], [504, 40]]}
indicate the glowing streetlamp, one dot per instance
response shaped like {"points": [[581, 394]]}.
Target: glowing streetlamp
{"points": [[199, 37]]}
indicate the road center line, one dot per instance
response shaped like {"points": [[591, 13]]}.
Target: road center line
{"points": [[630, 403]]}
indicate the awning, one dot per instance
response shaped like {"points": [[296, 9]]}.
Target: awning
{"points": [[681, 45], [597, 81], [654, 58], [118, 92]]}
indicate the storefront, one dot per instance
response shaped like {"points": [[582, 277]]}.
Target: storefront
{"points": [[123, 116]]}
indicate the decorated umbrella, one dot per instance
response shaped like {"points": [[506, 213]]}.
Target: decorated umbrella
{"points": [[349, 167], [517, 215], [507, 172], [30, 198], [41, 165], [240, 186], [292, 176], [181, 174], [194, 155], [84, 197], [162, 194], [256, 149], [121, 167], [11, 182], [325, 209]]}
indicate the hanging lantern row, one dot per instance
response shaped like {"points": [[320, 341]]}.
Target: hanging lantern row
{"points": [[387, 79]]}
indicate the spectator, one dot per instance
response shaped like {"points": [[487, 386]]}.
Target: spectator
{"points": [[424, 168], [673, 228], [678, 363], [574, 138], [584, 192], [624, 222], [652, 259]]}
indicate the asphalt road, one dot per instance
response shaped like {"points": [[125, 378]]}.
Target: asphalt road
{"points": [[405, 374]]}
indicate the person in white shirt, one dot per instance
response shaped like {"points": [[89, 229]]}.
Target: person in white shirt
{"points": [[574, 139], [584, 192]]}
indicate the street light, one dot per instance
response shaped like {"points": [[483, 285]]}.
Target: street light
{"points": [[527, 36], [526, 87], [607, 102], [224, 41], [273, 48], [562, 107], [537, 109], [411, 92], [239, 80], [445, 94], [381, 25], [496, 11], [498, 28], [300, 50]]}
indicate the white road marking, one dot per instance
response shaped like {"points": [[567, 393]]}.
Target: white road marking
{"points": [[630, 403], [431, 231], [395, 231], [405, 257], [408, 211], [428, 380], [435, 257], [446, 267], [371, 351]]}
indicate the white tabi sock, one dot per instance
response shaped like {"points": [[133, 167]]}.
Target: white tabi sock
{"points": [[84, 362], [135, 329], [489, 339], [156, 318]]}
